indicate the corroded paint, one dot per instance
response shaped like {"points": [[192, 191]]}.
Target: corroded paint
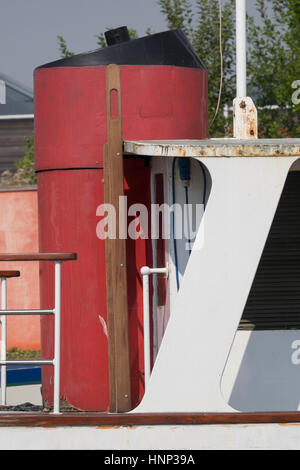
{"points": [[244, 118], [230, 147]]}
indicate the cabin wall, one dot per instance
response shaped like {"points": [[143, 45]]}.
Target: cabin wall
{"points": [[19, 233], [261, 373]]}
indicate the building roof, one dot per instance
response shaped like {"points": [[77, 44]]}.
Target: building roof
{"points": [[15, 98]]}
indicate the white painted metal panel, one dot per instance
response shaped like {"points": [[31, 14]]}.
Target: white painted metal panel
{"points": [[191, 360]]}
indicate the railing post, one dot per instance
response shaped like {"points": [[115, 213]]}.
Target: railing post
{"points": [[3, 341], [58, 258], [145, 271], [57, 324]]}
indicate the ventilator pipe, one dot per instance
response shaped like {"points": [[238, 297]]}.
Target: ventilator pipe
{"points": [[117, 36]]}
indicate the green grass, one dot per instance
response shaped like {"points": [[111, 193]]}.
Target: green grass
{"points": [[18, 354]]}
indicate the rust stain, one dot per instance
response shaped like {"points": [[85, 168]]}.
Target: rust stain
{"points": [[108, 427], [239, 152], [253, 148], [289, 424], [127, 426]]}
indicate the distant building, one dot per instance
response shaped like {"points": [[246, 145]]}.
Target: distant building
{"points": [[16, 120]]}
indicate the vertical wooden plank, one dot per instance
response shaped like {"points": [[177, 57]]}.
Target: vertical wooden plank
{"points": [[115, 249]]}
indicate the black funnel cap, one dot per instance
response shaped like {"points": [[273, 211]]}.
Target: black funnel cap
{"points": [[166, 48], [117, 36]]}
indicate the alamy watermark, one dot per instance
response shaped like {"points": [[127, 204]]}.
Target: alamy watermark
{"points": [[296, 94], [178, 221]]}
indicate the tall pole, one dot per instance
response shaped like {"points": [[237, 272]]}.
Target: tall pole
{"points": [[241, 52], [57, 326], [244, 110]]}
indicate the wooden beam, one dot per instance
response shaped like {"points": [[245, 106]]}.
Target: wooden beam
{"points": [[144, 419], [38, 256], [115, 250], [9, 274]]}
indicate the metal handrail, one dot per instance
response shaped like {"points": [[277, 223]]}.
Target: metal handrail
{"points": [[58, 259], [146, 272], [29, 312]]}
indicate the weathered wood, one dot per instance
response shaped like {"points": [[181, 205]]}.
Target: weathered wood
{"points": [[116, 271], [38, 256], [8, 274], [144, 419]]}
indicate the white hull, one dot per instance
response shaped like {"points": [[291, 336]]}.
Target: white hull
{"points": [[157, 437]]}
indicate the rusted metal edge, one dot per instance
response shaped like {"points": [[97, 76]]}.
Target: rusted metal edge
{"points": [[215, 148], [145, 419]]}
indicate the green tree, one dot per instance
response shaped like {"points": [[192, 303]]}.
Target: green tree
{"points": [[62, 45], [274, 65], [25, 166], [273, 58], [179, 15], [24, 174], [201, 25]]}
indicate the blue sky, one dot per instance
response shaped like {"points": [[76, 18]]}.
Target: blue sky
{"points": [[28, 28]]}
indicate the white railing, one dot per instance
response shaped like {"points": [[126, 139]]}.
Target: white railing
{"points": [[58, 259], [146, 272]]}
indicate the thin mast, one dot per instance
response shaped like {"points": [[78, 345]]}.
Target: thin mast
{"points": [[241, 40]]}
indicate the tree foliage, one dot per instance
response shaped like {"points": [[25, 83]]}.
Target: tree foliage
{"points": [[24, 174], [273, 58], [201, 25], [178, 14], [274, 65], [62, 45]]}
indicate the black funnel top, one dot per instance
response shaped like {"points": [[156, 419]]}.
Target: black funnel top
{"points": [[166, 48], [117, 36]]}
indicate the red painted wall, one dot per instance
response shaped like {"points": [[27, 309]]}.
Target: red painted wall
{"points": [[19, 233]]}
